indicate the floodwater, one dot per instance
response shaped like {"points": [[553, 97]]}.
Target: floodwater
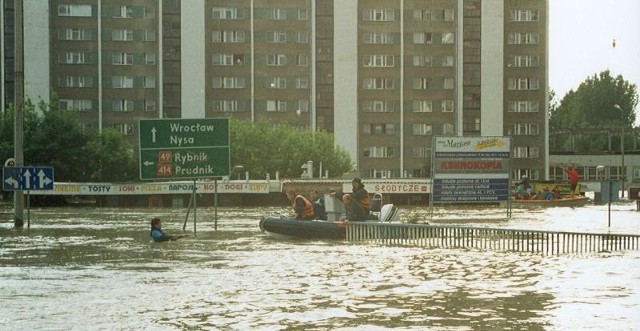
{"points": [[96, 269]]}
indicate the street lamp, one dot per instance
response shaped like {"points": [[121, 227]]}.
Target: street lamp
{"points": [[624, 173]]}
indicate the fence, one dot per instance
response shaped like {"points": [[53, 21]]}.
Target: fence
{"points": [[545, 242]]}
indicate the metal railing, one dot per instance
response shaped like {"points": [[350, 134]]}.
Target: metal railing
{"points": [[544, 242]]}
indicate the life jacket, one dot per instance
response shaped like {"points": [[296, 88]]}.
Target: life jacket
{"points": [[307, 212], [364, 203]]}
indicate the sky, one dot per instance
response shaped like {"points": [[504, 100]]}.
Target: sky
{"points": [[581, 34]]}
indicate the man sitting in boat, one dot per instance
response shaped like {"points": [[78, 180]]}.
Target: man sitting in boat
{"points": [[357, 203], [319, 209], [520, 192], [301, 206]]}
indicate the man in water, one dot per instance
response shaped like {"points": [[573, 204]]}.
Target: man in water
{"points": [[157, 234]]}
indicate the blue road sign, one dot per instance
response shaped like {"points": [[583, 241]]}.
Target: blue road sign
{"points": [[27, 178]]}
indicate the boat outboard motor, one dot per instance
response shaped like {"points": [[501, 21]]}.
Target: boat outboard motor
{"points": [[389, 213]]}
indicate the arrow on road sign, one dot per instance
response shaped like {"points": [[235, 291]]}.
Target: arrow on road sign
{"points": [[12, 182], [153, 134], [43, 179]]}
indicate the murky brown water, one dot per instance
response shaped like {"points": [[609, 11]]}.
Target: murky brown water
{"points": [[96, 269]]}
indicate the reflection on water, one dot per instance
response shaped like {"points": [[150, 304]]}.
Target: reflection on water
{"points": [[97, 269]]}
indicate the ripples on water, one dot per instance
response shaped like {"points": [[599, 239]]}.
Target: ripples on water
{"points": [[96, 269]]}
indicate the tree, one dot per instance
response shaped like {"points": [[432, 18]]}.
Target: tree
{"points": [[112, 158], [264, 148], [601, 101], [592, 105], [55, 138]]}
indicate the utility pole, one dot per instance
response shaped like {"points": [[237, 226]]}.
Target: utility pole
{"points": [[18, 128]]}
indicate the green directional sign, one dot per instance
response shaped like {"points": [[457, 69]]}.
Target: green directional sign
{"points": [[184, 148]]}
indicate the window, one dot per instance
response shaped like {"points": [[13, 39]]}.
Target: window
{"points": [[523, 61], [378, 61], [228, 82], [447, 129], [149, 58], [447, 61], [447, 83], [276, 59], [219, 36], [532, 174], [524, 38], [125, 129], [420, 152], [377, 84], [422, 38], [149, 35], [222, 59], [225, 13], [76, 81], [422, 61], [379, 15], [149, 82], [76, 105], [524, 129], [523, 15], [123, 105], [123, 12], [447, 106], [422, 106], [421, 83], [302, 37], [421, 15], [303, 105], [447, 15], [421, 129], [228, 105], [122, 35], [74, 34], [122, 59], [277, 82], [277, 14], [447, 38], [122, 82], [74, 10], [302, 82], [523, 84], [378, 38], [276, 37], [526, 152], [378, 128], [378, 152], [73, 58], [379, 106], [523, 106], [303, 14], [380, 173], [276, 105], [149, 105], [148, 12], [302, 60]]}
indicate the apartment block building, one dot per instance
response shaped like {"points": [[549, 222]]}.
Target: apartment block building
{"points": [[385, 76]]}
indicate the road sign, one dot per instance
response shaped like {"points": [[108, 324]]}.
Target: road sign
{"points": [[184, 148], [27, 178]]}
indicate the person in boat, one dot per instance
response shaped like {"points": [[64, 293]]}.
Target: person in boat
{"points": [[520, 193], [546, 194], [573, 176], [356, 203], [527, 185], [157, 234], [317, 201], [302, 207], [556, 192]]}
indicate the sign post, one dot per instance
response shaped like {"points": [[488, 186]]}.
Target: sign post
{"points": [[27, 178], [184, 148]]}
